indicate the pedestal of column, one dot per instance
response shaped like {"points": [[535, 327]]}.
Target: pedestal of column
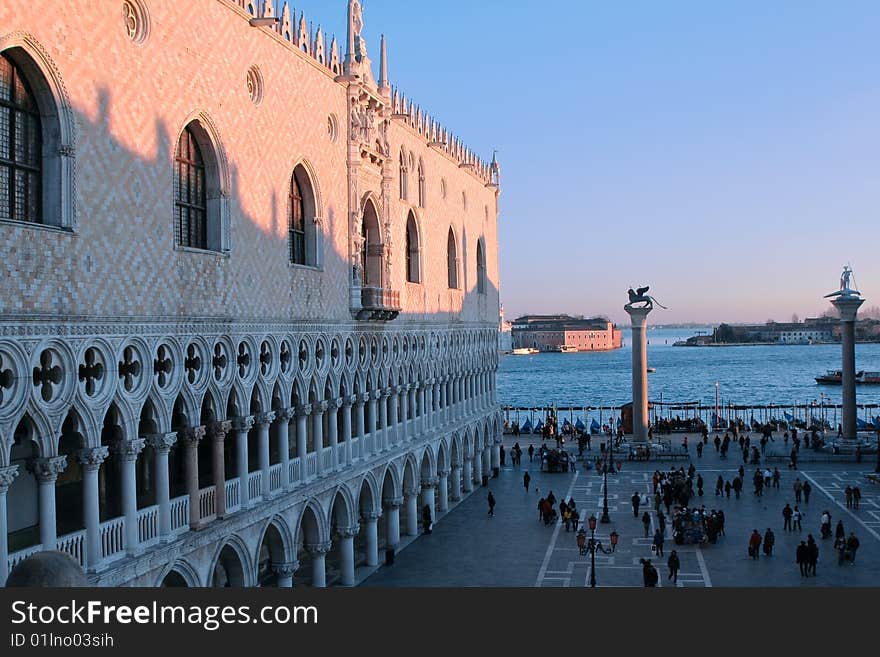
{"points": [[429, 497], [162, 444], [639, 317], [242, 427], [478, 466], [848, 307], [90, 461], [46, 470], [369, 524], [7, 476]]}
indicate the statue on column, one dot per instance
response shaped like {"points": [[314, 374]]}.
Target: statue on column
{"points": [[641, 296], [846, 278]]}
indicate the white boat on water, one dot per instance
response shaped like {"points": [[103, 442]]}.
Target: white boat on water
{"points": [[524, 351]]}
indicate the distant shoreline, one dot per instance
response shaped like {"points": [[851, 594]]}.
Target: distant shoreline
{"points": [[769, 344]]}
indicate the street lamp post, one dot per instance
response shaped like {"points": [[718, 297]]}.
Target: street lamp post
{"points": [[605, 517], [594, 545]]}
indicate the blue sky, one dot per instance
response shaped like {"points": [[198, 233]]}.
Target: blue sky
{"points": [[727, 154]]}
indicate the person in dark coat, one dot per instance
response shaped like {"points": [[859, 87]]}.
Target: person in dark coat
{"points": [[754, 544], [786, 517], [769, 542], [674, 564], [636, 500], [658, 543], [649, 573], [531, 453], [646, 521], [812, 555], [426, 519], [802, 558], [526, 480], [839, 532], [852, 546], [807, 490], [490, 498]]}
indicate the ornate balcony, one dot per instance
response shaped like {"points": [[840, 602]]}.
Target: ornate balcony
{"points": [[379, 304]]}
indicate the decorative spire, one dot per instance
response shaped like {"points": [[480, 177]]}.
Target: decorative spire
{"points": [[383, 66]]}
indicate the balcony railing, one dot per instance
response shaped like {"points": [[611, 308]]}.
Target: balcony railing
{"points": [[379, 304]]}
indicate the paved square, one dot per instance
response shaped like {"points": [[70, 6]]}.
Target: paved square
{"points": [[468, 548]]}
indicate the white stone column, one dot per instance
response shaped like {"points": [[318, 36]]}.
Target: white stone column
{"points": [[428, 497], [218, 465], [394, 426], [413, 410], [411, 499], [7, 475], [191, 438], [283, 417], [496, 458], [346, 552], [46, 471], [639, 318], [318, 552], [444, 401], [435, 407], [359, 428], [263, 422], [455, 495], [242, 427], [302, 419], [369, 523], [284, 573], [383, 419], [848, 307], [403, 391], [333, 432], [478, 467], [423, 399], [162, 444], [467, 475], [90, 460], [443, 491], [392, 521], [371, 413], [346, 427], [128, 453], [318, 410]]}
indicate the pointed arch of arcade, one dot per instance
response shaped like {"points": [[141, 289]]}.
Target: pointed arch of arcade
{"points": [[275, 548], [180, 573], [231, 565]]}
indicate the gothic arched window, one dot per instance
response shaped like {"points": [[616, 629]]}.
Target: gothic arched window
{"points": [[302, 225], [422, 189], [403, 176], [296, 224], [481, 268], [452, 260], [21, 146], [190, 193], [413, 248]]}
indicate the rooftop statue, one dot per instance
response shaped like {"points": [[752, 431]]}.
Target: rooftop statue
{"points": [[641, 296]]}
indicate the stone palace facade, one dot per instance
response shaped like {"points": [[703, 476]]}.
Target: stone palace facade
{"points": [[248, 297]]}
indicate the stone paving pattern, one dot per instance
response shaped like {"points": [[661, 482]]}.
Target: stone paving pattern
{"points": [[514, 549]]}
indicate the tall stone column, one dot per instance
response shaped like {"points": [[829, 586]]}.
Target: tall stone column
{"points": [[263, 422], [394, 428], [128, 453], [90, 460], [467, 475], [428, 496], [7, 476], [318, 552], [392, 521], [411, 499], [444, 405], [302, 419], [284, 573], [443, 491], [333, 432], [346, 426], [346, 552], [318, 410], [162, 444], [371, 424], [242, 427], [218, 465], [46, 471], [191, 438], [478, 466], [359, 427], [496, 458], [639, 317], [405, 411], [383, 420], [455, 493], [369, 523], [848, 307], [423, 398], [283, 417], [435, 405]]}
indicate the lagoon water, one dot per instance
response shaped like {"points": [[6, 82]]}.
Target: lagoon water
{"points": [[779, 374]]}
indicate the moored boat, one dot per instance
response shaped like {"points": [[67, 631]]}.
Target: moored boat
{"points": [[524, 351], [835, 377]]}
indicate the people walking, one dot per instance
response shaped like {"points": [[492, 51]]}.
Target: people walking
{"points": [[427, 522], [825, 524], [649, 573], [769, 542], [839, 532], [852, 545], [802, 558], [847, 494], [727, 488], [526, 481], [737, 486], [776, 477], [857, 497], [798, 488], [796, 518], [787, 513], [807, 489], [719, 485], [754, 544], [531, 453], [646, 521], [490, 498], [661, 521], [674, 564], [658, 543], [636, 500], [812, 555]]}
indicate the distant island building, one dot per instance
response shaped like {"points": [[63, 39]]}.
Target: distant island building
{"points": [[565, 333], [813, 330]]}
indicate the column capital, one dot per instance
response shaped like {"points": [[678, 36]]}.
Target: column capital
{"points": [[91, 458], [370, 516], [399, 389], [384, 394], [285, 569], [7, 475], [285, 414], [161, 442], [349, 400], [348, 532], [264, 418], [374, 395], [443, 473], [393, 502], [192, 435], [332, 404], [318, 549], [46, 470], [431, 482], [412, 491], [319, 407], [129, 449], [220, 429], [244, 423], [303, 410]]}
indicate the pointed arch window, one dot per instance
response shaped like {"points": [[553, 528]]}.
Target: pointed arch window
{"points": [[404, 174], [452, 260], [21, 147], [296, 224], [481, 268], [413, 251], [190, 193], [422, 189], [302, 220]]}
